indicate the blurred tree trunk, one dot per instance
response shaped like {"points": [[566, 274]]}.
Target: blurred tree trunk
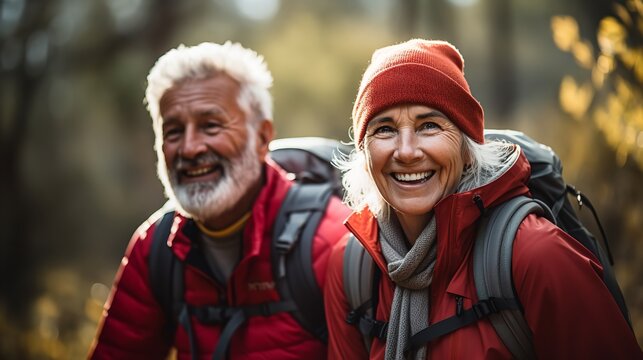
{"points": [[502, 58], [428, 19], [16, 263], [19, 260]]}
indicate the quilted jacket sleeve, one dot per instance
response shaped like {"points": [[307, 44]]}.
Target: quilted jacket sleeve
{"points": [[567, 306], [133, 323]]}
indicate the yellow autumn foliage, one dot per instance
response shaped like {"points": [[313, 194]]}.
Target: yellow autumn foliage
{"points": [[611, 97]]}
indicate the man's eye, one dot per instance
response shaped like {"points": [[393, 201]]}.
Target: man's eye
{"points": [[171, 133], [212, 126]]}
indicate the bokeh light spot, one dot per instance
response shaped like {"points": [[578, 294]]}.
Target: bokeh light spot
{"points": [[258, 10]]}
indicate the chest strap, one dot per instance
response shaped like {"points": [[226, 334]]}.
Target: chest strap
{"points": [[462, 318], [366, 324], [232, 317]]}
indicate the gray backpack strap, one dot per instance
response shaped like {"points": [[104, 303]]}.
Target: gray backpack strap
{"points": [[361, 276], [292, 253], [492, 269], [358, 267]]}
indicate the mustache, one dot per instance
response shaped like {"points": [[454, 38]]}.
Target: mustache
{"points": [[208, 158]]}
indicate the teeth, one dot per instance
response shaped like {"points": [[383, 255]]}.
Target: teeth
{"points": [[198, 172], [411, 177]]}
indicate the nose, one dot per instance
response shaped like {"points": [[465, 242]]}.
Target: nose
{"points": [[407, 150], [193, 143]]}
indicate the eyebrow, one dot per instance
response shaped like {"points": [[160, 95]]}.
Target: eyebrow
{"points": [[427, 115], [201, 113], [168, 119], [430, 114], [210, 112], [379, 120]]}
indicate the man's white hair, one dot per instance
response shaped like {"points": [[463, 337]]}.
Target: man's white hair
{"points": [[486, 163], [206, 59], [202, 61]]}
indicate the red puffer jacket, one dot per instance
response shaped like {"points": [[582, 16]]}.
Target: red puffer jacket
{"points": [[133, 322], [570, 311]]}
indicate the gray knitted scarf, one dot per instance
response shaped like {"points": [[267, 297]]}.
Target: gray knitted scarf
{"points": [[412, 272]]}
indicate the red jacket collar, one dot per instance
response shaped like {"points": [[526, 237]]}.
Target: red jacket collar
{"points": [[456, 217]]}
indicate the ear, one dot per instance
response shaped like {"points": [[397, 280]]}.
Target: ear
{"points": [[265, 134]]}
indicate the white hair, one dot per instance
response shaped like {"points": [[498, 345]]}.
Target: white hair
{"points": [[486, 162], [202, 61]]}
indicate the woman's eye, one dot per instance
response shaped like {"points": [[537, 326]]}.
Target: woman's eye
{"points": [[429, 125], [383, 130]]}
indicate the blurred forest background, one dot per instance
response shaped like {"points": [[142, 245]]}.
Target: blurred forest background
{"points": [[78, 168]]}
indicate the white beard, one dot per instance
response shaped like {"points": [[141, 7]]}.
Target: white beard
{"points": [[207, 200]]}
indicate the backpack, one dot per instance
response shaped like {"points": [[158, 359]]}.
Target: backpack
{"points": [[308, 162], [491, 257]]}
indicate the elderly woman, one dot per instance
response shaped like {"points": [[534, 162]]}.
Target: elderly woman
{"points": [[418, 180]]}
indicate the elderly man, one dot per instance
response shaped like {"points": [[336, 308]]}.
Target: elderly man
{"points": [[212, 117]]}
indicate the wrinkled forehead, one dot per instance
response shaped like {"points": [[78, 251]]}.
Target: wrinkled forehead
{"points": [[410, 109], [219, 89]]}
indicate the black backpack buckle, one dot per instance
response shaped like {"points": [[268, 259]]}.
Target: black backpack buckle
{"points": [[211, 314], [485, 308], [378, 328], [353, 317], [290, 235]]}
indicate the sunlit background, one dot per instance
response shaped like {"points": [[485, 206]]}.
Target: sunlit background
{"points": [[78, 168]]}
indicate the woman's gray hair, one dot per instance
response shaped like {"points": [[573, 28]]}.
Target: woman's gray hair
{"points": [[486, 162]]}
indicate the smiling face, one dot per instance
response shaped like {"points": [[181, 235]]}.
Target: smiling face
{"points": [[213, 155], [415, 158]]}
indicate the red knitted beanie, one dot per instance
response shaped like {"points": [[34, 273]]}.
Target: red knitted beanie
{"points": [[418, 72]]}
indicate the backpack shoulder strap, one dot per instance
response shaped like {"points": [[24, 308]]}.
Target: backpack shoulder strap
{"points": [[166, 272], [292, 253], [603, 253], [492, 269], [361, 278], [357, 272]]}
